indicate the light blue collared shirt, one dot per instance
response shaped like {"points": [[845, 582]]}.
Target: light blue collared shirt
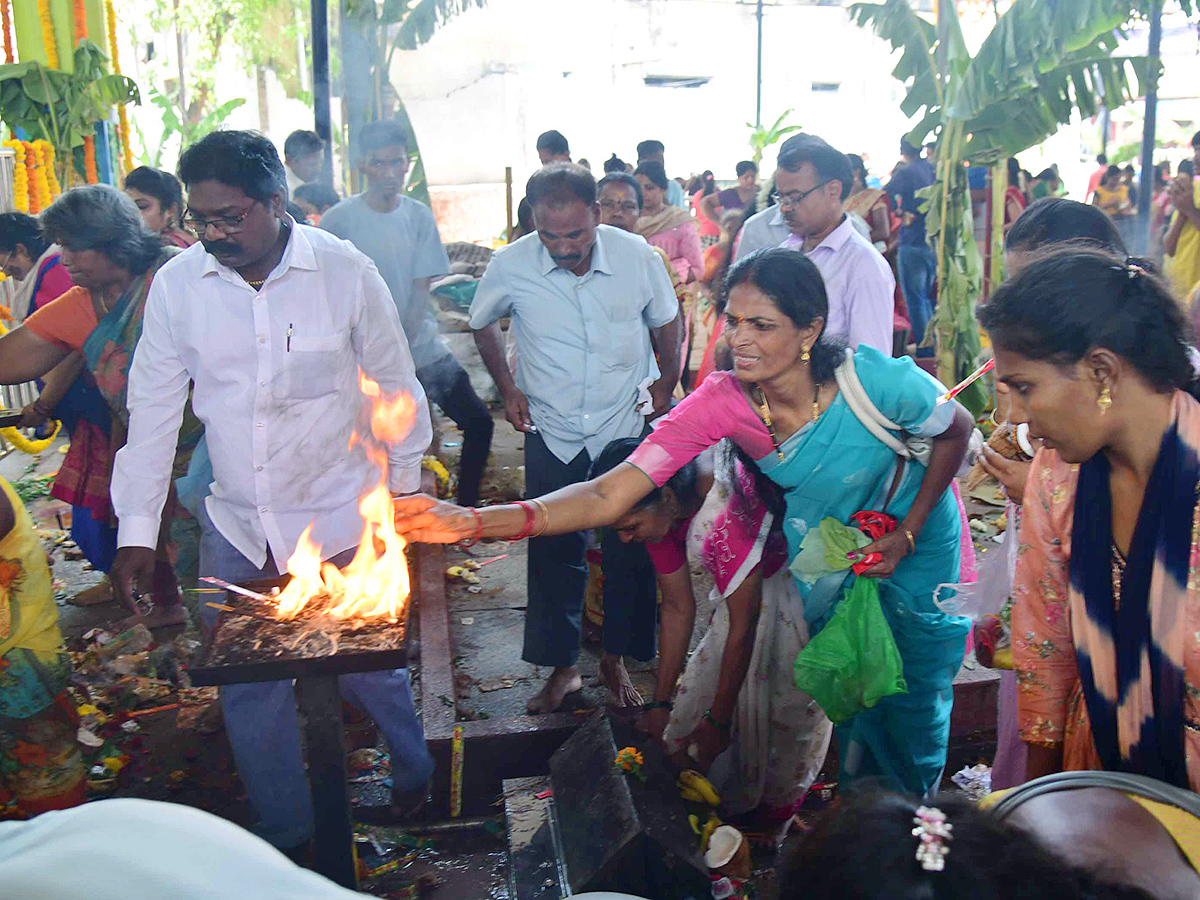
{"points": [[583, 342]]}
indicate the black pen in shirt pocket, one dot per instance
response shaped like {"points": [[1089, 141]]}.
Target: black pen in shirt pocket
{"points": [[290, 332]]}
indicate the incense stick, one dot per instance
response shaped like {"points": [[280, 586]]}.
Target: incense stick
{"points": [[967, 382], [240, 612], [238, 589]]}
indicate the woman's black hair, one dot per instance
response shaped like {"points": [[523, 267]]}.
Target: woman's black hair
{"points": [[1110, 172], [622, 178], [864, 849], [1014, 172], [746, 165], [19, 228], [162, 186], [525, 216], [99, 217], [790, 280], [1074, 299], [858, 167], [654, 171], [1054, 220], [245, 160], [614, 164], [682, 483]]}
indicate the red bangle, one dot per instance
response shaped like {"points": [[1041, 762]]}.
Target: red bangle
{"points": [[478, 529], [530, 519]]}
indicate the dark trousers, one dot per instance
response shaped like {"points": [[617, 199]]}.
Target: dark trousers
{"points": [[917, 267], [557, 577], [447, 384]]}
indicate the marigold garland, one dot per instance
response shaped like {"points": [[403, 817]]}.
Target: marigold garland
{"points": [[48, 34], [79, 14], [39, 183], [31, 173], [47, 154], [6, 24], [90, 175], [122, 116], [20, 176], [14, 436]]}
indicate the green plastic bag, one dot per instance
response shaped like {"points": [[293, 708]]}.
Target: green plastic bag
{"points": [[853, 662]]}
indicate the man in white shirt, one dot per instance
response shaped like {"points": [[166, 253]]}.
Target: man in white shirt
{"points": [[583, 300], [272, 322], [401, 238], [810, 184]]}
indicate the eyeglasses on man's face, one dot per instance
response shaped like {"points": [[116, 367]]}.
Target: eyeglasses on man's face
{"points": [[223, 224], [626, 206], [794, 198]]}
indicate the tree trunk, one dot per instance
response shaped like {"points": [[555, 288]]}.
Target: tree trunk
{"points": [[264, 114]]}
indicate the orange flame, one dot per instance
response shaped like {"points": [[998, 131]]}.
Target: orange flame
{"points": [[374, 585]]}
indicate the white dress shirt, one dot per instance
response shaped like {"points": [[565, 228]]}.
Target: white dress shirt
{"points": [[859, 284], [762, 230], [276, 386], [583, 341]]}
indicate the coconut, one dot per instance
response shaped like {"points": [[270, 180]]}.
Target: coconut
{"points": [[723, 846]]}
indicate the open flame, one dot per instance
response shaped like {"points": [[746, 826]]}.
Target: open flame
{"points": [[374, 585]]}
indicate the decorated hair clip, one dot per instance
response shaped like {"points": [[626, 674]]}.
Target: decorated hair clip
{"points": [[932, 831], [1132, 269]]}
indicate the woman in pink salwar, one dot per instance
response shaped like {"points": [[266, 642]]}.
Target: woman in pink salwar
{"points": [[671, 229]]}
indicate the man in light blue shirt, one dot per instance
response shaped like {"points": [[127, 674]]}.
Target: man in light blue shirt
{"points": [[400, 236], [654, 151], [584, 300]]}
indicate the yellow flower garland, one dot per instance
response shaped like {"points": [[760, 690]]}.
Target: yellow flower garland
{"points": [[40, 183], [122, 116], [14, 436], [48, 34], [47, 152], [20, 176]]}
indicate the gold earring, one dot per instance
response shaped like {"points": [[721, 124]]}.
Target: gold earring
{"points": [[805, 357], [1104, 401]]}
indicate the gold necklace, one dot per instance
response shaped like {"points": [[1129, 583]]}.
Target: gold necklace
{"points": [[255, 284], [764, 411]]}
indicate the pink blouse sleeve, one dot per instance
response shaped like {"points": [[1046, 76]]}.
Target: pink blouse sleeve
{"points": [[1043, 652], [689, 258], [716, 410], [670, 554]]}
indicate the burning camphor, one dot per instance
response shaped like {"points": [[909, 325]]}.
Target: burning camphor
{"points": [[374, 585]]}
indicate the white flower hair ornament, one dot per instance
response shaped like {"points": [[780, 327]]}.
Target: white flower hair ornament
{"points": [[932, 832]]}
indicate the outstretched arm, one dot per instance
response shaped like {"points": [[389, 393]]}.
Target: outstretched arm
{"points": [[24, 356], [576, 507]]}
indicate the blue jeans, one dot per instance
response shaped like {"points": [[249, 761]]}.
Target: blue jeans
{"points": [[917, 266], [264, 731]]}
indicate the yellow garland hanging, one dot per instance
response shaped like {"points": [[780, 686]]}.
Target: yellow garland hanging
{"points": [[48, 34], [40, 184], [20, 176], [90, 175], [18, 440], [47, 151], [122, 116], [31, 164]]}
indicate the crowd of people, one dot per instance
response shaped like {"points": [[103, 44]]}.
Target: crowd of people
{"points": [[734, 377]]}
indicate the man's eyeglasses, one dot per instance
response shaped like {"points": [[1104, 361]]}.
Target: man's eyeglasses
{"points": [[614, 206], [795, 198], [223, 224]]}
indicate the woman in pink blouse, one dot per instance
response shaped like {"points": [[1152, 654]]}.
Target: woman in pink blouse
{"points": [[667, 227]]}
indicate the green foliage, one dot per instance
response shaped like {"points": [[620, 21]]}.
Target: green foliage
{"points": [[63, 108], [175, 122], [1043, 61], [761, 138]]}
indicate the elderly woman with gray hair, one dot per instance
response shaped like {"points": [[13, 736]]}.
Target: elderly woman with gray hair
{"points": [[112, 258]]}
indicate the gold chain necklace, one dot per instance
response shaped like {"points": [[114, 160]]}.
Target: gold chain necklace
{"points": [[255, 284], [764, 411]]}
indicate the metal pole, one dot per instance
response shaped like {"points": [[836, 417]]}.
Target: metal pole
{"points": [[508, 201], [758, 76], [1146, 186], [320, 83]]}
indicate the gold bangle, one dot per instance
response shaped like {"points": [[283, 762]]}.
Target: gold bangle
{"points": [[545, 512], [912, 541]]}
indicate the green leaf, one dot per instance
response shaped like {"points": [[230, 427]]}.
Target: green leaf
{"points": [[425, 16]]}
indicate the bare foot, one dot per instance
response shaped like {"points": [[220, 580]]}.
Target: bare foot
{"points": [[560, 683], [158, 617], [621, 691]]}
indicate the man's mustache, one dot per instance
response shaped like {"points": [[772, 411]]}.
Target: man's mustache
{"points": [[220, 247]]}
